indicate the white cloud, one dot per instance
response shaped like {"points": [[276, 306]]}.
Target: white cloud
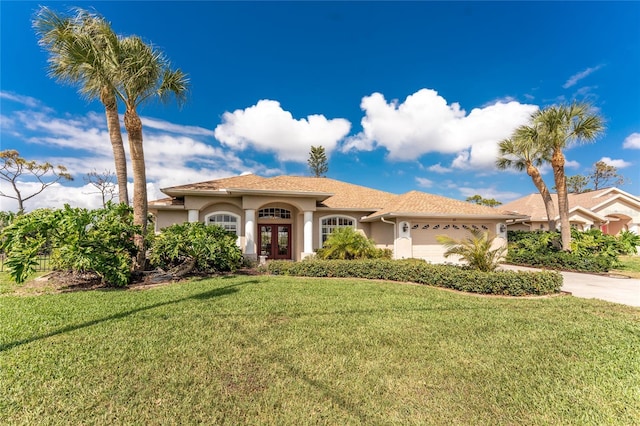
{"points": [[266, 127], [619, 164], [438, 168], [424, 182], [632, 141], [27, 101], [571, 164], [573, 80], [425, 123], [166, 126], [174, 154]]}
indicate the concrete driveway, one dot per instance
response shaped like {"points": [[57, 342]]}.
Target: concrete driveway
{"points": [[589, 286]]}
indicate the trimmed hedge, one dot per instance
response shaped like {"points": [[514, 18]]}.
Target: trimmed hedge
{"points": [[565, 261], [512, 283]]}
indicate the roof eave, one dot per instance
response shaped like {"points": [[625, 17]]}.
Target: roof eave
{"points": [[442, 216]]}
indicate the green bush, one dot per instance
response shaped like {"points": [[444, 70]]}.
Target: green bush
{"points": [[196, 247], [629, 242], [591, 251], [347, 243], [501, 282], [79, 240]]}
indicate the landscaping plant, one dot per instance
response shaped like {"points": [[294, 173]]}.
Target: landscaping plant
{"points": [[591, 251], [475, 250], [347, 243], [195, 247], [79, 240]]}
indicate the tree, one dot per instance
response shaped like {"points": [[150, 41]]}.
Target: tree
{"points": [[318, 161], [13, 168], [523, 152], [82, 51], [559, 127], [604, 175], [475, 249], [143, 73], [577, 184], [103, 182], [478, 199]]}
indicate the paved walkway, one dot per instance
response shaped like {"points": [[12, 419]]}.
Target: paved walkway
{"points": [[589, 286]]}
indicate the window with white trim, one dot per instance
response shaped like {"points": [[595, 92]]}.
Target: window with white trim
{"points": [[329, 224], [226, 220], [274, 213]]}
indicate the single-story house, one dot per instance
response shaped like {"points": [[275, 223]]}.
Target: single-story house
{"points": [[611, 210], [288, 217]]}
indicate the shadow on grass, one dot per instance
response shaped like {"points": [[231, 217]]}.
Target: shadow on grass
{"points": [[218, 292]]}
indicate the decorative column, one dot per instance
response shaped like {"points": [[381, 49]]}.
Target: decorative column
{"points": [[308, 234], [194, 215], [249, 229]]}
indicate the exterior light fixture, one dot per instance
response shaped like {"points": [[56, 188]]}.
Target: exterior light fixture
{"points": [[503, 228], [405, 227]]}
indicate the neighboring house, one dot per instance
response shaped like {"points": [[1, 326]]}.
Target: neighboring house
{"points": [[287, 217], [611, 210]]}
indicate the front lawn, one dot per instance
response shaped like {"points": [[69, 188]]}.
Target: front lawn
{"points": [[293, 351], [629, 265]]}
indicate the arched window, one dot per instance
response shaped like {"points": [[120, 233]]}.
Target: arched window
{"points": [[227, 220], [328, 224], [274, 213]]}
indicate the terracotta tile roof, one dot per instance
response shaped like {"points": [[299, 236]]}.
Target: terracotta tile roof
{"points": [[217, 184], [416, 202], [336, 194], [532, 204], [339, 194]]}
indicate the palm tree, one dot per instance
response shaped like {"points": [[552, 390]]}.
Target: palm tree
{"points": [[523, 152], [559, 127], [80, 52], [142, 73], [475, 250]]}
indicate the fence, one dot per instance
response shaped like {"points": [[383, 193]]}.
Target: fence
{"points": [[44, 263]]}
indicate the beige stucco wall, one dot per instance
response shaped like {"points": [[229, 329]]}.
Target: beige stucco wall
{"points": [[382, 234], [619, 207], [166, 218]]}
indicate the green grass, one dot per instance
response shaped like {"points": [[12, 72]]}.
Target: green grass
{"points": [[296, 351], [629, 265]]}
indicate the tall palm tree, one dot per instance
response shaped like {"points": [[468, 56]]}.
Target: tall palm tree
{"points": [[523, 152], [143, 73], [81, 49], [559, 127]]}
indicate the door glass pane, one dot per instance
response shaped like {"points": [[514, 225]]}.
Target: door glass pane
{"points": [[265, 240], [283, 240]]}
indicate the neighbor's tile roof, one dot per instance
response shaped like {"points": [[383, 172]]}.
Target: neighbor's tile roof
{"points": [[340, 194], [533, 205], [416, 202]]}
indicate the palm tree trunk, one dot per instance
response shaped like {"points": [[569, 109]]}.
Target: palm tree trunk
{"points": [[557, 163], [546, 195], [115, 135], [133, 124]]}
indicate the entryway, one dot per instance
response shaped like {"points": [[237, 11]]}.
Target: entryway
{"points": [[275, 241]]}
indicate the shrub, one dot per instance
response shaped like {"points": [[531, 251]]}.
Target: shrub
{"points": [[629, 242], [501, 282], [475, 250], [591, 251], [79, 240], [195, 247], [347, 243]]}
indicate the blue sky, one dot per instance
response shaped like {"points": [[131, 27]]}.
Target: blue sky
{"points": [[403, 96]]}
